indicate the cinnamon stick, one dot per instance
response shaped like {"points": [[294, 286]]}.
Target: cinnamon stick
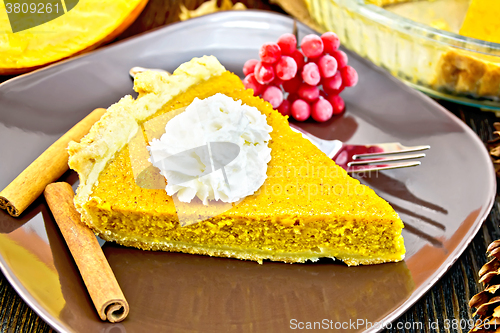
{"points": [[97, 275], [28, 186]]}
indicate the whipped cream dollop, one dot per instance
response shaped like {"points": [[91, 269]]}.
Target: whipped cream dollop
{"points": [[217, 149]]}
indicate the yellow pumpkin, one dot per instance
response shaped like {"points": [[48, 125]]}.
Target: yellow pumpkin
{"points": [[83, 27]]}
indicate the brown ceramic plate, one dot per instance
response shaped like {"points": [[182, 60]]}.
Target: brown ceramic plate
{"points": [[442, 202]]}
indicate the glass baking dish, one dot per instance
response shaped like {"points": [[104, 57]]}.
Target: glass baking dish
{"points": [[410, 40]]}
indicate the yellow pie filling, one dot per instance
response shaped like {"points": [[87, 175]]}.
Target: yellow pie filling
{"points": [[308, 207]]}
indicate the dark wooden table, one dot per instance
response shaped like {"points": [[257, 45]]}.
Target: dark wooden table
{"points": [[444, 305]]}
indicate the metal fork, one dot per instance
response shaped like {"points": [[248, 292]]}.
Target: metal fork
{"points": [[363, 158]]}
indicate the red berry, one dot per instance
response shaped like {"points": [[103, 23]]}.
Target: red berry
{"points": [[331, 42], [341, 58], [249, 66], [310, 74], [300, 110], [251, 83], [273, 95], [287, 43], [327, 66], [270, 53], [333, 92], [293, 85], [277, 82], [299, 58], [308, 93], [264, 73], [337, 103], [312, 46], [322, 110], [315, 60], [286, 68], [332, 83], [349, 76], [284, 108], [292, 98]]}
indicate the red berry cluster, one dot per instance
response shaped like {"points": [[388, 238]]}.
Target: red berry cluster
{"points": [[302, 82]]}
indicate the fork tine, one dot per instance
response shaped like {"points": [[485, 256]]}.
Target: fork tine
{"points": [[371, 167], [358, 163], [390, 149], [392, 158]]}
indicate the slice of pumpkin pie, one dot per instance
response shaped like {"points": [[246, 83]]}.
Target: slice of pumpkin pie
{"points": [[197, 164]]}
